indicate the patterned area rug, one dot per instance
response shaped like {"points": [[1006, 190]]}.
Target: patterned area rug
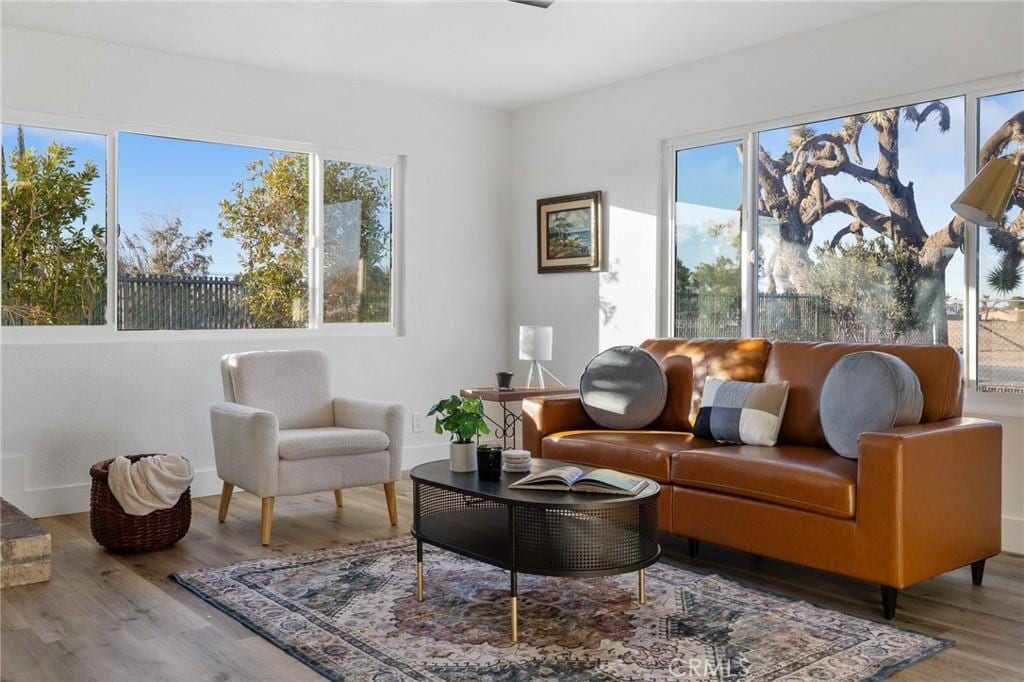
{"points": [[350, 613]]}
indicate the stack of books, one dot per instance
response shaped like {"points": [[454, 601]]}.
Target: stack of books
{"points": [[515, 461]]}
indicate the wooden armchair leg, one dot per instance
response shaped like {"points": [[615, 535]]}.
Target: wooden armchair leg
{"points": [[389, 493], [225, 500], [337, 497], [266, 518]]}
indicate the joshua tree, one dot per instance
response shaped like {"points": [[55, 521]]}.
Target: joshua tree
{"points": [[1007, 239], [793, 191]]}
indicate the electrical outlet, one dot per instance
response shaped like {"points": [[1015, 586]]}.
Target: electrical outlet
{"points": [[417, 422]]}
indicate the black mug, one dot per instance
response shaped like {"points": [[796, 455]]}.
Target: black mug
{"points": [[504, 381], [488, 462]]}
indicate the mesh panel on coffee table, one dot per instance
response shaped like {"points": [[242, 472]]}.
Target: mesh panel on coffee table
{"points": [[571, 541]]}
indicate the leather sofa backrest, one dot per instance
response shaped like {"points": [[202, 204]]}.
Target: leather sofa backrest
{"points": [[735, 359], [806, 364]]}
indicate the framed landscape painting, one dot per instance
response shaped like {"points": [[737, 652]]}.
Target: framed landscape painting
{"points": [[569, 233]]}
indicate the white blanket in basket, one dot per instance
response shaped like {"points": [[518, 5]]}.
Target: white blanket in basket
{"points": [[149, 484]]}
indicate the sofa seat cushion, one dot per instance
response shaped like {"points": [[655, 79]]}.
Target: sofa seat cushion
{"points": [[812, 479], [329, 441], [645, 453]]}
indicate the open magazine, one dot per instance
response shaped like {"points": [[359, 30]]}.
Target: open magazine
{"points": [[572, 478]]}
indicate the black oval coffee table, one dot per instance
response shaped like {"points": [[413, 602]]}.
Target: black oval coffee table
{"points": [[538, 532]]}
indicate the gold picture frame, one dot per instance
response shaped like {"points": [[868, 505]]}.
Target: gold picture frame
{"points": [[569, 233]]}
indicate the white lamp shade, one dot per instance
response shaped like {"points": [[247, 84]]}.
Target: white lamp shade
{"points": [[535, 343]]}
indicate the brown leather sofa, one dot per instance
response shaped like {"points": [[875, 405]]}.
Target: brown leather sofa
{"points": [[921, 500]]}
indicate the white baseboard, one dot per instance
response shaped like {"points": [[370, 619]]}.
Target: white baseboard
{"points": [[74, 497]]}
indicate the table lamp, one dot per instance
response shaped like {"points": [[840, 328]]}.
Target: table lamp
{"points": [[984, 200], [535, 345]]}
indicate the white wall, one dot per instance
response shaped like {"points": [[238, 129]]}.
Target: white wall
{"points": [[611, 139], [68, 405]]}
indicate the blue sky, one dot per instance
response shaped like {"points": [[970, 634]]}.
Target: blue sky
{"points": [[709, 191], [160, 177], [711, 177]]}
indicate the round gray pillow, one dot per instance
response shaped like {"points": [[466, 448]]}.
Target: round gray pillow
{"points": [[623, 388], [867, 391]]}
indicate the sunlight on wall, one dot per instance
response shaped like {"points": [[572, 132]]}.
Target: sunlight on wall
{"points": [[628, 288]]}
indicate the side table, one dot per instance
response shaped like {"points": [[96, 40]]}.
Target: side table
{"points": [[510, 419]]}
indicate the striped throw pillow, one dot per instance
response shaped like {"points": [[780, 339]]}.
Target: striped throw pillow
{"points": [[741, 412]]}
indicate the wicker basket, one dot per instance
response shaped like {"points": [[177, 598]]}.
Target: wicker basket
{"points": [[121, 532]]}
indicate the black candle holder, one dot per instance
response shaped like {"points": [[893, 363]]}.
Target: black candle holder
{"points": [[488, 462]]}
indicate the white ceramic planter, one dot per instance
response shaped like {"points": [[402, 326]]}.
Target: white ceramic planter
{"points": [[462, 457]]}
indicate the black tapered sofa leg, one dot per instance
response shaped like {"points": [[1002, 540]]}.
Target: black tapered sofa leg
{"points": [[889, 595], [977, 571], [694, 547]]}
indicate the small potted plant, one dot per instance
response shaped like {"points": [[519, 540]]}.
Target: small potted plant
{"points": [[463, 419]]}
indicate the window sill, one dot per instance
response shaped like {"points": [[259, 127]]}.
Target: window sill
{"points": [[18, 336]]}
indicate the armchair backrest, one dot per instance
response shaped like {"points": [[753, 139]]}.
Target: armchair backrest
{"points": [[292, 384]]}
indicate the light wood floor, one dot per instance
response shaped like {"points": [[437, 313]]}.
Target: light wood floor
{"points": [[108, 617]]}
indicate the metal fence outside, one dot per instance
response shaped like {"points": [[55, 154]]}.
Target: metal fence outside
{"points": [[161, 302], [205, 302], [794, 317]]}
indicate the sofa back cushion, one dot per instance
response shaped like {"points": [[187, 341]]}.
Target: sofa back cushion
{"points": [[688, 362], [292, 384], [805, 364]]}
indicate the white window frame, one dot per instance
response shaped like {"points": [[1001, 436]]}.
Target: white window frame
{"points": [[993, 403], [108, 332]]}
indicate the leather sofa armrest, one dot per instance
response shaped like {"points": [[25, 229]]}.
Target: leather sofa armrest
{"points": [[544, 416], [935, 491]]}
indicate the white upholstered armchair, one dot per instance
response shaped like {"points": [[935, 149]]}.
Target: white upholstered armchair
{"points": [[280, 432]]}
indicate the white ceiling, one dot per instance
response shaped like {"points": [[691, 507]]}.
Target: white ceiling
{"points": [[489, 52]]}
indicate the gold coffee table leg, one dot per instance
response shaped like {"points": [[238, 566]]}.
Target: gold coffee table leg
{"points": [[515, 620], [514, 594], [419, 570], [419, 581], [642, 586]]}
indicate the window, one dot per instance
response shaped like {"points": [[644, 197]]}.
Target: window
{"points": [[708, 210], [357, 242], [54, 227], [1000, 348], [212, 236], [841, 230], [209, 235], [856, 240]]}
